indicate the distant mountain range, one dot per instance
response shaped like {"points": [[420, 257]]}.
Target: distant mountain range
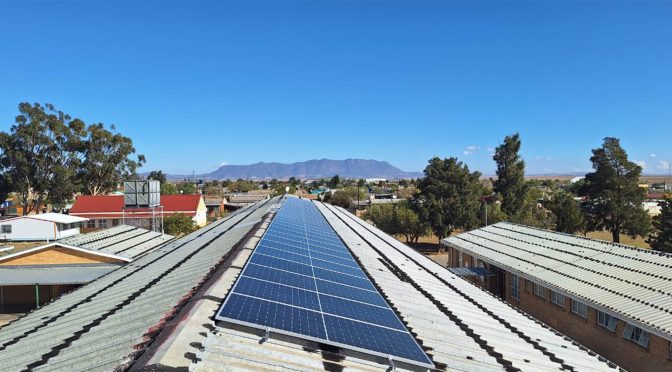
{"points": [[322, 168]]}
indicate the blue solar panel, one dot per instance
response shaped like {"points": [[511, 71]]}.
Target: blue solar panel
{"points": [[302, 280]]}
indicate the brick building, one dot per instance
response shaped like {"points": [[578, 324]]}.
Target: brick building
{"points": [[106, 211], [612, 298]]}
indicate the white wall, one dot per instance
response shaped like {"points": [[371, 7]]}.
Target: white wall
{"points": [[69, 232], [29, 229]]}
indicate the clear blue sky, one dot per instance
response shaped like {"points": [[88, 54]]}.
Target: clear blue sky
{"points": [[199, 84]]}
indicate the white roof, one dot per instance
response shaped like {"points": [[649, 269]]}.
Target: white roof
{"points": [[57, 217], [631, 283], [461, 326]]}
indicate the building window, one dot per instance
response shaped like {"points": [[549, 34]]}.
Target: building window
{"points": [[607, 321], [481, 264], [557, 298], [459, 259], [515, 290], [91, 223], [539, 290], [6, 229], [115, 222], [102, 224], [579, 308], [636, 334], [669, 351]]}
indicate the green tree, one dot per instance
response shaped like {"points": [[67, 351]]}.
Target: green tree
{"points": [[383, 216], [106, 160], [334, 182], [449, 196], [409, 224], [494, 212], [157, 176], [510, 183], [615, 198], [187, 188], [660, 238], [568, 214], [178, 224], [340, 198], [41, 155], [5, 187], [533, 213], [168, 189]]}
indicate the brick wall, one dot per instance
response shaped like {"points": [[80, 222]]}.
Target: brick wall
{"points": [[585, 331], [589, 333]]}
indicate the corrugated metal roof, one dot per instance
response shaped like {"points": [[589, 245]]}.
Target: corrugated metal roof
{"points": [[18, 275], [104, 324], [123, 240], [631, 283], [460, 326]]}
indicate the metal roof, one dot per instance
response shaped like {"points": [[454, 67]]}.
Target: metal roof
{"points": [[460, 326], [104, 324], [57, 217], [65, 246], [632, 283], [167, 298], [123, 240], [44, 275]]}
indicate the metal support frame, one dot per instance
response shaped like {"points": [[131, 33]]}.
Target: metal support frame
{"points": [[154, 218], [267, 335], [393, 367]]}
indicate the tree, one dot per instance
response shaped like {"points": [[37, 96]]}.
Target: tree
{"points": [[409, 224], [157, 176], [615, 198], [568, 214], [382, 215], [334, 182], [532, 212], [340, 198], [449, 196], [5, 187], [41, 155], [178, 224], [494, 212], [186, 188], [510, 183], [660, 238], [168, 189], [106, 160]]}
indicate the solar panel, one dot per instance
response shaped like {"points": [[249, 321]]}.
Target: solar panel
{"points": [[301, 280]]}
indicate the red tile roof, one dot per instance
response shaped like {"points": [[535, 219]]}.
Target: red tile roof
{"points": [[113, 205]]}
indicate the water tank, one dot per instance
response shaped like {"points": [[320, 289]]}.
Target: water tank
{"points": [[142, 193]]}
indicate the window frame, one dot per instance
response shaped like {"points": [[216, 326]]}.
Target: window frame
{"points": [[554, 298], [607, 324], [637, 335], [575, 309], [539, 290], [514, 286], [102, 223], [91, 224], [6, 228]]}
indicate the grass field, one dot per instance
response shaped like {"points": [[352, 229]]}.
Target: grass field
{"points": [[606, 235]]}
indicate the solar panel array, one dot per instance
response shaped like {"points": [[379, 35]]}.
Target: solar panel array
{"points": [[302, 281]]}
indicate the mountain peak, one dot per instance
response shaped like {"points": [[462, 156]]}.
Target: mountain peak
{"points": [[314, 168]]}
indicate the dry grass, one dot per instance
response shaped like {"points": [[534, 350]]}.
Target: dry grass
{"points": [[606, 235], [20, 246]]}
